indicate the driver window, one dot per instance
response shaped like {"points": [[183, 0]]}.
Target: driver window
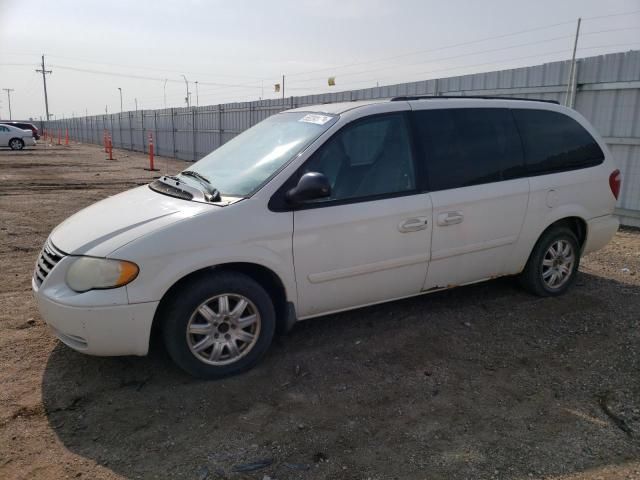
{"points": [[371, 157]]}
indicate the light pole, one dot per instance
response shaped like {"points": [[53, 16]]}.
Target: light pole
{"points": [[197, 97], [120, 90], [186, 82]]}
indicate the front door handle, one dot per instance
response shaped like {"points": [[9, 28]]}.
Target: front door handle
{"points": [[413, 224], [450, 218]]}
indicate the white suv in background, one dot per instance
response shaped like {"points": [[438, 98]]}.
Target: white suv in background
{"points": [[328, 208]]}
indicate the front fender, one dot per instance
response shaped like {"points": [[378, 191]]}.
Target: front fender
{"points": [[244, 232], [158, 275]]}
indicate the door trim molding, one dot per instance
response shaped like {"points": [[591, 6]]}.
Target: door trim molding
{"points": [[474, 247], [367, 268]]}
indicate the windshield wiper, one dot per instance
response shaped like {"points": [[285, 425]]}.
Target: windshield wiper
{"points": [[194, 174], [213, 195]]}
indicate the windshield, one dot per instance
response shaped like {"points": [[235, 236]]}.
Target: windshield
{"points": [[242, 165]]}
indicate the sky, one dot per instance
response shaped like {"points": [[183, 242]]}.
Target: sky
{"points": [[237, 50]]}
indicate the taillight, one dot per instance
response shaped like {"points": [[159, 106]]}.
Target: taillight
{"points": [[615, 180]]}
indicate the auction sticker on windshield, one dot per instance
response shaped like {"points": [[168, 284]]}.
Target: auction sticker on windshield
{"points": [[315, 118]]}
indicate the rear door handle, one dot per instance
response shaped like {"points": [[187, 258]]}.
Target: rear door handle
{"points": [[450, 218], [413, 224]]}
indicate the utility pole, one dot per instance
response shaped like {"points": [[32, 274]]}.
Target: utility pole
{"points": [[186, 82], [44, 72], [283, 88], [120, 89], [572, 70], [197, 96], [9, 90], [136, 100], [165, 92]]}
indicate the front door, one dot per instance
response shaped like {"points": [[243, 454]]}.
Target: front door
{"points": [[369, 241]]}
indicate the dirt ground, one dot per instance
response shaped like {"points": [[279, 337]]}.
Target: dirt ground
{"points": [[481, 382]]}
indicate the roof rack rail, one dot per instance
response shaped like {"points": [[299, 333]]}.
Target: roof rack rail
{"points": [[483, 97]]}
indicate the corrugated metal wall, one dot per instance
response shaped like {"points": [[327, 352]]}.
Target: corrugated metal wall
{"points": [[608, 94]]}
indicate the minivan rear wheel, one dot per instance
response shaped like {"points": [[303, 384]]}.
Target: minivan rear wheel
{"points": [[553, 264], [218, 324]]}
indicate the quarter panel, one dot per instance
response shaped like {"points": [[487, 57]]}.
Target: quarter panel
{"points": [[578, 193]]}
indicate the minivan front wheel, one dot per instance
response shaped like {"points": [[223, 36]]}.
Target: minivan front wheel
{"points": [[553, 264], [218, 324]]}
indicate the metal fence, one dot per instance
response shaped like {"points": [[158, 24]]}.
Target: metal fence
{"points": [[607, 93]]}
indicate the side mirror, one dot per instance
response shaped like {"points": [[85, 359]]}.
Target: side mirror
{"points": [[311, 186]]}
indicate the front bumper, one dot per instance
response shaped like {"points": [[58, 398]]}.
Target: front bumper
{"points": [[105, 331]]}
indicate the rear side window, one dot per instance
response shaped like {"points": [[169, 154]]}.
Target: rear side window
{"points": [[554, 142], [468, 146]]}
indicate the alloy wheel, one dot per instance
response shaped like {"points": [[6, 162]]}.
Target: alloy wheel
{"points": [[557, 264], [223, 329]]}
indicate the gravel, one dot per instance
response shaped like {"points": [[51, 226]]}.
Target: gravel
{"points": [[478, 382]]}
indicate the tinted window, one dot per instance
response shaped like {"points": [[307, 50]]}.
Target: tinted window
{"points": [[555, 142], [370, 157], [468, 146]]}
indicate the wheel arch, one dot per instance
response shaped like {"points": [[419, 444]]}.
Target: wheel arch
{"points": [[267, 278], [576, 224], [15, 138]]}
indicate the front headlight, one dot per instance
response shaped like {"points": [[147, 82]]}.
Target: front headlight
{"points": [[89, 273]]}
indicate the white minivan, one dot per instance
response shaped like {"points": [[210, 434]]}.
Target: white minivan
{"points": [[328, 208]]}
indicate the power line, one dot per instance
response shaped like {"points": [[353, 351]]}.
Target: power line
{"points": [[235, 87], [445, 47], [139, 67], [134, 67], [144, 77], [231, 87], [633, 12], [16, 64], [494, 37], [476, 52], [495, 62]]}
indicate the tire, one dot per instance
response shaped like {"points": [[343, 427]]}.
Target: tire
{"points": [[543, 264], [16, 144], [200, 328]]}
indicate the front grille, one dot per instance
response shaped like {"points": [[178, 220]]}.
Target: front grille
{"points": [[49, 258]]}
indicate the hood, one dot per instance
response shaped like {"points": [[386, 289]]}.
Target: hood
{"points": [[113, 222]]}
